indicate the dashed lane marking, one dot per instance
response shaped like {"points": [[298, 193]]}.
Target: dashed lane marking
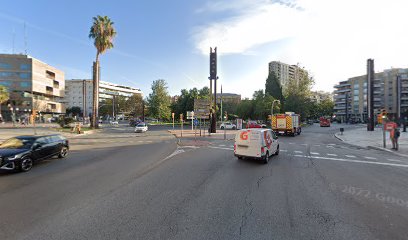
{"points": [[314, 153], [298, 155], [304, 144], [291, 143], [350, 156], [283, 150], [394, 160], [222, 145], [371, 158], [221, 148], [298, 152], [316, 145], [332, 154]]}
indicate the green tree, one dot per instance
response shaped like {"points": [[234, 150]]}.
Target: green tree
{"points": [[326, 107], [298, 97], [134, 105], [273, 86], [245, 109], [4, 96], [159, 100], [103, 33]]}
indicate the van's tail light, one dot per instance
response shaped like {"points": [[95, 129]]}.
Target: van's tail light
{"points": [[262, 150], [235, 147]]}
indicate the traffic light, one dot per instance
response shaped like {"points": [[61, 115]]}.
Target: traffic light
{"points": [[213, 64]]}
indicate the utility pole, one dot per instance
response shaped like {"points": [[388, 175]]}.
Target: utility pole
{"points": [[398, 99], [347, 117], [84, 101], [222, 120], [370, 94], [113, 107]]}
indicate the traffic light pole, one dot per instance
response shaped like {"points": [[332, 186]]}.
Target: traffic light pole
{"points": [[213, 76]]}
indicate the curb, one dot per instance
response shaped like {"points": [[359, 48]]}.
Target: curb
{"points": [[349, 144], [387, 150], [372, 147]]}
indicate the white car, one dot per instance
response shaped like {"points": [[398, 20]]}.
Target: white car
{"points": [[228, 125], [259, 143], [141, 127]]}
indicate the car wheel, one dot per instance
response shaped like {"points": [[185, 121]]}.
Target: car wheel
{"points": [[277, 151], [240, 158], [26, 164], [233, 128], [63, 153], [222, 128], [266, 158]]}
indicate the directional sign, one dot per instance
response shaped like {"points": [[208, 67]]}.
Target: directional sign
{"points": [[202, 108], [195, 122], [190, 115]]}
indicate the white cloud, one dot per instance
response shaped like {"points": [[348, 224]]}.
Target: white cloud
{"points": [[332, 39]]}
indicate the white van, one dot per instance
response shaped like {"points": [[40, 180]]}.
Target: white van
{"points": [[256, 143]]}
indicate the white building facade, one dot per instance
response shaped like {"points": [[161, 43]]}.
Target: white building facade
{"points": [[76, 90]]}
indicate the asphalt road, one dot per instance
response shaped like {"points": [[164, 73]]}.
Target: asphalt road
{"points": [[317, 188]]}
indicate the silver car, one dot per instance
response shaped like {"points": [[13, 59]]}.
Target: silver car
{"points": [[141, 127]]}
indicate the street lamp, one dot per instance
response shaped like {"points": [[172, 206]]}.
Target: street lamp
{"points": [[273, 103], [278, 101]]}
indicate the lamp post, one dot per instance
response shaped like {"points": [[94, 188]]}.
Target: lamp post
{"points": [[383, 122], [273, 103]]}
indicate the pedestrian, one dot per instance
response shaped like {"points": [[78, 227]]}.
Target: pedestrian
{"points": [[396, 136]]}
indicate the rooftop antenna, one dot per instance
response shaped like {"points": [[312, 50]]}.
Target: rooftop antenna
{"points": [[25, 39]]}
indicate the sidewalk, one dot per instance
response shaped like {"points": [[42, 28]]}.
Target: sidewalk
{"points": [[363, 138], [19, 125]]}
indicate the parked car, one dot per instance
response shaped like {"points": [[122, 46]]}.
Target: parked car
{"points": [[254, 124], [141, 127], [228, 125], [256, 143], [20, 153]]}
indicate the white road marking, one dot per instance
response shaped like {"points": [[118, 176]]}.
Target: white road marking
{"points": [[304, 144], [371, 158], [298, 151], [350, 156], [195, 147], [314, 153], [316, 145], [331, 144], [222, 148], [282, 150], [178, 151], [394, 160], [222, 145], [291, 143], [332, 154], [355, 161]]}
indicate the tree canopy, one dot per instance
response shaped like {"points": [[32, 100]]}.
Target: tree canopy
{"points": [[159, 100]]}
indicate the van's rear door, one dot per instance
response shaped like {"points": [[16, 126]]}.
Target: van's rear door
{"points": [[248, 143]]}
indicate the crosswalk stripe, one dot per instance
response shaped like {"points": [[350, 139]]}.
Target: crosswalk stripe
{"points": [[332, 154], [394, 160], [372, 158], [298, 152], [350, 156], [282, 150], [314, 153]]}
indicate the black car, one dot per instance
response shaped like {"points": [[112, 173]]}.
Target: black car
{"points": [[20, 153]]}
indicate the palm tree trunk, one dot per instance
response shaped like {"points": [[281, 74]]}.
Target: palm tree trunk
{"points": [[95, 107]]}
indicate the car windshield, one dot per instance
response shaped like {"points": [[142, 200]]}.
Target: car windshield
{"points": [[17, 143], [141, 125]]}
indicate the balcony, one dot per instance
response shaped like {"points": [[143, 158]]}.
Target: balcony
{"points": [[342, 91]]}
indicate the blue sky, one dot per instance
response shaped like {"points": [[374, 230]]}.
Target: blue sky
{"points": [[160, 39]]}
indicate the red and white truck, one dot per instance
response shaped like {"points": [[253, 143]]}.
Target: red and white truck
{"points": [[324, 122], [286, 124]]}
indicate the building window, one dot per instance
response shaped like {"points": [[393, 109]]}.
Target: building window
{"points": [[25, 75], [7, 74], [25, 84], [56, 84], [50, 74], [25, 66], [5, 83], [5, 66]]}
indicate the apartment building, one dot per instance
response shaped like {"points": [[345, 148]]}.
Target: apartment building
{"points": [[78, 89], [318, 96], [353, 95], [286, 72], [33, 85], [229, 98]]}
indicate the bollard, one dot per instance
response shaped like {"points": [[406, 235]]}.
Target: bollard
{"points": [[341, 131]]}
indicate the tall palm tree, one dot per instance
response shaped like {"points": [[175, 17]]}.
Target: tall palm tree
{"points": [[103, 32], [4, 96]]}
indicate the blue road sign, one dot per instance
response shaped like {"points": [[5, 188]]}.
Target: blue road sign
{"points": [[195, 122]]}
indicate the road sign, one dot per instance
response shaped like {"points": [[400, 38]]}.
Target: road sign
{"points": [[202, 108], [190, 115], [195, 122]]}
